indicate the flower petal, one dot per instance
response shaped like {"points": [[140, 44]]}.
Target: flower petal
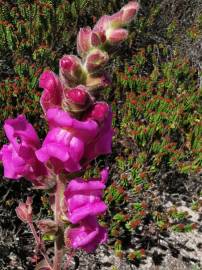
{"points": [[78, 214], [52, 95]]}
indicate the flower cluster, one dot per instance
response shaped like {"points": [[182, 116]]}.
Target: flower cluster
{"points": [[80, 130], [69, 145], [83, 200]]}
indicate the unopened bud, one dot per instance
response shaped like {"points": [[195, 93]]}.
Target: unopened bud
{"points": [[115, 20], [77, 99], [71, 71], [102, 24], [84, 40], [70, 64], [24, 211], [98, 37], [96, 82], [104, 175], [116, 36], [96, 60], [87, 39], [119, 19], [78, 95], [99, 112], [129, 11]]}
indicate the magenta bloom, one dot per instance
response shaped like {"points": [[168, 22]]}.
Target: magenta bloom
{"points": [[52, 95], [18, 157], [101, 145], [65, 143], [95, 130], [84, 198], [62, 150], [85, 130], [87, 236]]}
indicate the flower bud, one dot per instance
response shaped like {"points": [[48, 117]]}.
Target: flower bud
{"points": [[96, 60], [47, 226], [78, 95], [104, 175], [109, 22], [116, 36], [102, 24], [71, 71], [119, 19], [99, 112], [129, 11], [24, 211], [77, 99], [98, 35], [115, 20], [96, 82], [84, 40], [87, 39]]}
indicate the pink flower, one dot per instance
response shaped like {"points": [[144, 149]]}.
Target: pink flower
{"points": [[84, 198], [101, 145], [18, 157], [62, 150], [71, 143], [52, 95], [84, 129], [87, 236], [20, 132], [65, 143]]}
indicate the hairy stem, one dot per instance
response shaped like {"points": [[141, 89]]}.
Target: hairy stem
{"points": [[59, 241], [40, 244]]}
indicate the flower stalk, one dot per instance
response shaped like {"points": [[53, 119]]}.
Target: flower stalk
{"points": [[59, 240], [80, 130], [40, 245]]}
